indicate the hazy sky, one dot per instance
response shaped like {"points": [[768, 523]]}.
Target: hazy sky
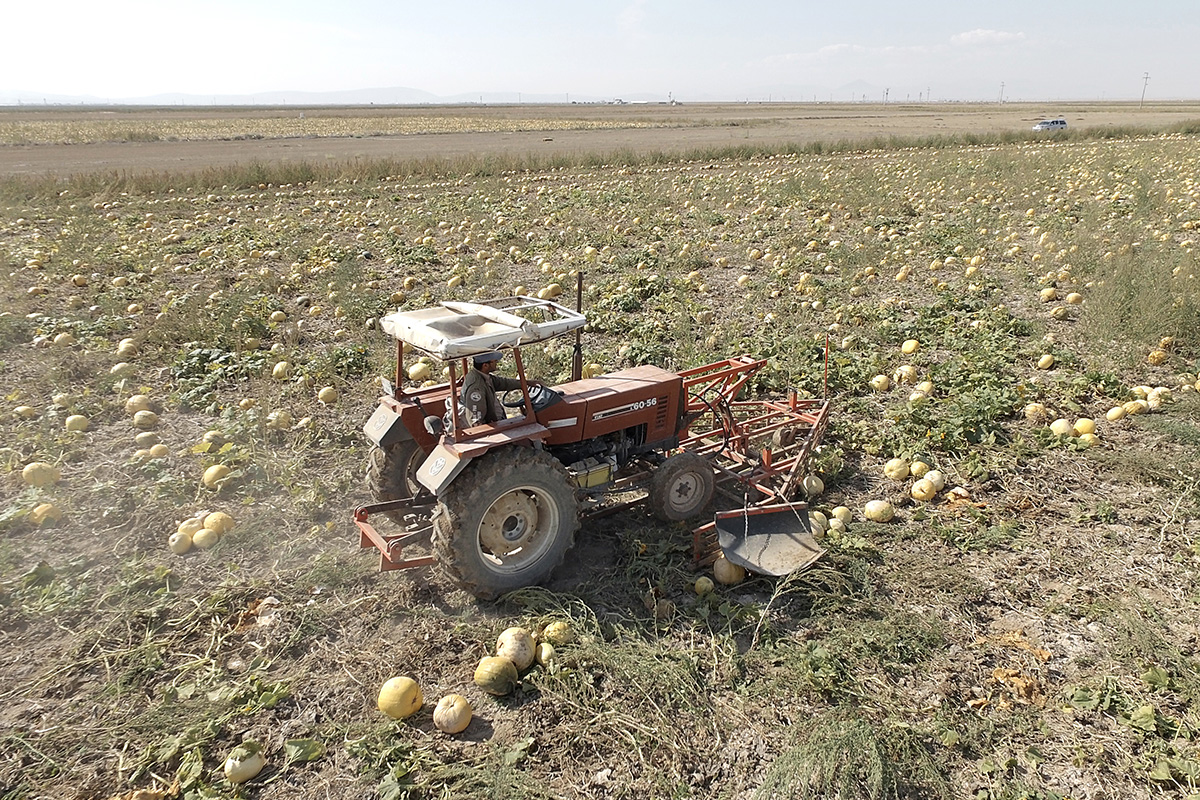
{"points": [[693, 49]]}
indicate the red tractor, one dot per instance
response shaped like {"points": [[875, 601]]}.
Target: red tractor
{"points": [[500, 503]]}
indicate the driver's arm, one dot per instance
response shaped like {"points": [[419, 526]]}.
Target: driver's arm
{"points": [[503, 384]]}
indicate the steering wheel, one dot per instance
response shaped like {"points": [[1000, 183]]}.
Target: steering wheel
{"points": [[541, 397]]}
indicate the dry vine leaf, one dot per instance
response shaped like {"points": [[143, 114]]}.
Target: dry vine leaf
{"points": [[1015, 639], [1022, 688], [959, 505]]}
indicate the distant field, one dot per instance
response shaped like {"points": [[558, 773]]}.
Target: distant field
{"points": [[81, 140], [164, 128]]}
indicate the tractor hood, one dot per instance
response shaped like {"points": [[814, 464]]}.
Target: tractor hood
{"points": [[460, 330]]}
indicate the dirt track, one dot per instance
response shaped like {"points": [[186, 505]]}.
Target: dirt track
{"points": [[679, 129]]}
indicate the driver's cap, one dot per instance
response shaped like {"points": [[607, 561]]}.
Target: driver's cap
{"points": [[484, 358]]}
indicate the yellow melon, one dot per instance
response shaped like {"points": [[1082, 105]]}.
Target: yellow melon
{"points": [[728, 573], [400, 697], [40, 474]]}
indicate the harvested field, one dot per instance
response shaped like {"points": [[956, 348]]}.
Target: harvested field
{"points": [[1030, 631]]}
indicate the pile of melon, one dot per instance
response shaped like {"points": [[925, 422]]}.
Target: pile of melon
{"points": [[141, 410], [1085, 430], [517, 650], [833, 524], [42, 475], [202, 530], [927, 482]]}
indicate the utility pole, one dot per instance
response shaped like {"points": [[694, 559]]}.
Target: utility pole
{"points": [[1145, 81], [1001, 91]]}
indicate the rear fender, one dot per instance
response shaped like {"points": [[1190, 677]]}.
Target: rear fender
{"points": [[385, 427], [441, 467]]}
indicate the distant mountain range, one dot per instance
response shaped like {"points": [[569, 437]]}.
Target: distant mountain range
{"points": [[405, 96], [398, 95]]}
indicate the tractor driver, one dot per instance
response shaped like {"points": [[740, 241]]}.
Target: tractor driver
{"points": [[479, 389]]}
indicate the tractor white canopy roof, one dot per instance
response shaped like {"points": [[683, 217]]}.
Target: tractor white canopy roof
{"points": [[460, 330]]}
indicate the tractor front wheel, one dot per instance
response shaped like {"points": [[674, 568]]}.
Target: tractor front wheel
{"points": [[680, 487], [392, 474], [506, 522]]}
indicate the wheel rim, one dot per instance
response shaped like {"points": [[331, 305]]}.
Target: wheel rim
{"points": [[684, 492], [517, 528], [415, 460]]}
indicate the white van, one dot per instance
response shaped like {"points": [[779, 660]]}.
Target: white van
{"points": [[1059, 124]]}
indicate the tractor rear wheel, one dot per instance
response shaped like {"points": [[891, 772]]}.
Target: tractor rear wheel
{"points": [[392, 474], [506, 522], [681, 487]]}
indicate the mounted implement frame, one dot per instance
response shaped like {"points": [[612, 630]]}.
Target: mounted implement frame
{"points": [[760, 450]]}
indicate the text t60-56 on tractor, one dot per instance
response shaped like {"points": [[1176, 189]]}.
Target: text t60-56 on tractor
{"points": [[499, 504]]}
